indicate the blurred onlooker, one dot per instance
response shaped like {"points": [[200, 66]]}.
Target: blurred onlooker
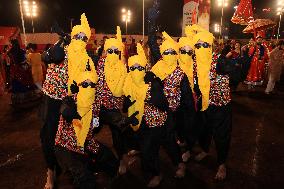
{"points": [[132, 48], [276, 62], [21, 77], [256, 72], [100, 49], [2, 76], [126, 51], [47, 46], [34, 60], [7, 64]]}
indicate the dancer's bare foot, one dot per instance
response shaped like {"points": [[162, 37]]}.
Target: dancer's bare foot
{"points": [[154, 182], [50, 179], [180, 171], [200, 156], [181, 144], [133, 153], [122, 168], [185, 156], [221, 173]]}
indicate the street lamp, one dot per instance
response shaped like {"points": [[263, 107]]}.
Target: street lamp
{"points": [[222, 4], [217, 28], [126, 16], [280, 11], [30, 9]]}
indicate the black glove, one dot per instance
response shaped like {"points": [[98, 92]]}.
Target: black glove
{"points": [[149, 77], [127, 103], [74, 88], [69, 109], [132, 119]]}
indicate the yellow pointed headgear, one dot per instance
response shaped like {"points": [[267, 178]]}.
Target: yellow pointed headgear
{"points": [[188, 40], [116, 42], [169, 43], [204, 36], [82, 28], [140, 58]]}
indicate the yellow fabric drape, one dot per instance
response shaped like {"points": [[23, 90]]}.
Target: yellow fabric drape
{"points": [[186, 61], [186, 64], [115, 74], [203, 61]]}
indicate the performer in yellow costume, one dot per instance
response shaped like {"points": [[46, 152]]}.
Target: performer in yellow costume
{"points": [[153, 129], [187, 63], [76, 147], [109, 95], [81, 72], [216, 112], [176, 89]]}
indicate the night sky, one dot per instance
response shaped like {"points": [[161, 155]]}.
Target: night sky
{"points": [[104, 15]]}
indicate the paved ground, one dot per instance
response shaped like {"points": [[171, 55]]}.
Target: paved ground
{"points": [[256, 158]]}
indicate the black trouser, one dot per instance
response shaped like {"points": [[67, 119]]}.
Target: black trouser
{"points": [[82, 167], [49, 129], [217, 123], [115, 120], [150, 141], [179, 125], [191, 129]]}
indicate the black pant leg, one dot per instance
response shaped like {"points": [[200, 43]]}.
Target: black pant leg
{"points": [[191, 129], [104, 160], [48, 131], [78, 165], [118, 141], [114, 119], [221, 120], [150, 146], [205, 132], [170, 145], [179, 125]]}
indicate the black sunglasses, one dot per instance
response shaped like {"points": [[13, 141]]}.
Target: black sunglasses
{"points": [[115, 51], [186, 52], [140, 68], [170, 53], [86, 84], [80, 37], [204, 45]]}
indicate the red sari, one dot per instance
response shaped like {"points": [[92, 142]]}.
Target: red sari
{"points": [[256, 72]]}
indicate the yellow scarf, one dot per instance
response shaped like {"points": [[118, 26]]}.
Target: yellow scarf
{"points": [[203, 65], [186, 64], [185, 61], [203, 62], [162, 70], [115, 74]]}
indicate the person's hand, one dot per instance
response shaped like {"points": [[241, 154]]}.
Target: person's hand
{"points": [[127, 103], [149, 77], [133, 120], [74, 88]]}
